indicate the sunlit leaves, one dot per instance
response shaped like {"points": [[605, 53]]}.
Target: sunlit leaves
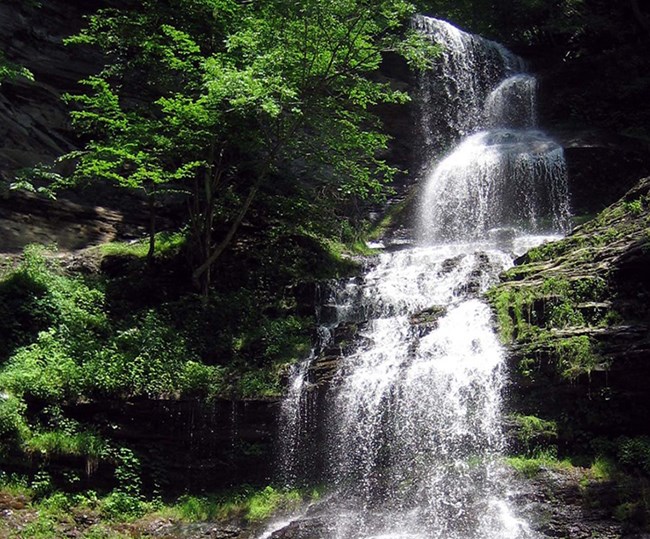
{"points": [[216, 95], [10, 70]]}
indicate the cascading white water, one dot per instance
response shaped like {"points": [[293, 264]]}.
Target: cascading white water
{"points": [[505, 173], [451, 98], [413, 416], [495, 179], [512, 103], [337, 303]]}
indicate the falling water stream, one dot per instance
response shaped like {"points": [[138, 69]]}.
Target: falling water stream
{"points": [[411, 439]]}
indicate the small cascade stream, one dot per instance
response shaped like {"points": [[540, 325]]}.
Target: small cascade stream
{"points": [[408, 434]]}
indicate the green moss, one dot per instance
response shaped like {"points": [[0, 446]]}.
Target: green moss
{"points": [[576, 356], [166, 244], [602, 469], [513, 305], [582, 219], [247, 503], [530, 466], [635, 207], [390, 218], [533, 433], [551, 250]]}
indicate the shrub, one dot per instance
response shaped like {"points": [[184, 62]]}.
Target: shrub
{"points": [[13, 427], [635, 453]]}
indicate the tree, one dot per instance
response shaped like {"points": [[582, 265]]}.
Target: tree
{"points": [[212, 97]]}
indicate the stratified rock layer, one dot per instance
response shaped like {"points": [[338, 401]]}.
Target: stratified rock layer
{"points": [[577, 315]]}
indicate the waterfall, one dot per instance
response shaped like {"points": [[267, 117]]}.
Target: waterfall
{"points": [[410, 439], [451, 98], [503, 173], [501, 178]]}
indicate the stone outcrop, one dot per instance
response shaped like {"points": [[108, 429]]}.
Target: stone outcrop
{"points": [[34, 124], [594, 157], [576, 314], [35, 128], [182, 445], [572, 503]]}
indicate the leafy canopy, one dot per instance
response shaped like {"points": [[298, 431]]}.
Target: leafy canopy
{"points": [[211, 97]]}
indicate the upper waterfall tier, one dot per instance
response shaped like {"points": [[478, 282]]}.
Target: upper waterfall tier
{"points": [[452, 96], [503, 173], [512, 103]]}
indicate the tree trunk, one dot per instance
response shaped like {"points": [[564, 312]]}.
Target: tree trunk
{"points": [[152, 227], [201, 275]]}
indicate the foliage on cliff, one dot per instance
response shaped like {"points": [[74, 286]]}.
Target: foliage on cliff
{"points": [[131, 335], [575, 316], [10, 70]]}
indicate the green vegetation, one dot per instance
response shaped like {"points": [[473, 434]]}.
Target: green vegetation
{"points": [[630, 505], [228, 94], [62, 343], [10, 71], [46, 514], [530, 466], [552, 305], [76, 351], [71, 341], [533, 434], [559, 312], [166, 244]]}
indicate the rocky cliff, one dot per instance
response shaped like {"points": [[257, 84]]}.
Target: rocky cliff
{"points": [[576, 316], [34, 123]]}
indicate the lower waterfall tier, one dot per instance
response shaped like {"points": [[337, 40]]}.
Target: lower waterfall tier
{"points": [[496, 179]]}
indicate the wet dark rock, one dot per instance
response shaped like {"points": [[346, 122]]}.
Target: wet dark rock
{"points": [[204, 530], [593, 158], [184, 445], [324, 368], [344, 338], [34, 120], [451, 264], [307, 528], [426, 320], [569, 503], [475, 282]]}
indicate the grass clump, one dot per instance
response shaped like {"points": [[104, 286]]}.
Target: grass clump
{"points": [[248, 504], [56, 442], [534, 433], [576, 356], [166, 244], [530, 466]]}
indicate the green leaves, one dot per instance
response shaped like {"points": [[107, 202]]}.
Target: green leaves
{"points": [[10, 70], [79, 353], [209, 97]]}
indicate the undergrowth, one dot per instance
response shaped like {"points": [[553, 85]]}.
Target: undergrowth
{"points": [[44, 514], [65, 346]]}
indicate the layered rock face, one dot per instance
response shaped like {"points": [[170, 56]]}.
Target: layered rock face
{"points": [[34, 125], [183, 445], [35, 129], [577, 316]]}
